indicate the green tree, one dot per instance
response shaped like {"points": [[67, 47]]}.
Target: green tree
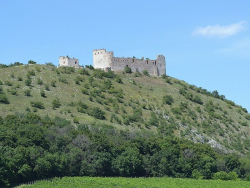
{"points": [[31, 62], [127, 69]]}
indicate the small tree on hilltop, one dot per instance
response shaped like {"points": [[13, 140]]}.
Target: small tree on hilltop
{"points": [[127, 69], [31, 62]]}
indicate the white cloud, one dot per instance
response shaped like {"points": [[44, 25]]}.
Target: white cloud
{"points": [[220, 31]]}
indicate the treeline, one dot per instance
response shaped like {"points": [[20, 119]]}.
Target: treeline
{"points": [[33, 148]]}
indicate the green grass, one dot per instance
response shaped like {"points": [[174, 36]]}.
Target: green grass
{"points": [[77, 182]]}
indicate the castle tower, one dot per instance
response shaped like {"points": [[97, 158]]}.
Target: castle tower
{"points": [[161, 64], [66, 61], [102, 59]]}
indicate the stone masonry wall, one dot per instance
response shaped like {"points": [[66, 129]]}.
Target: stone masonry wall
{"points": [[105, 60], [65, 61]]}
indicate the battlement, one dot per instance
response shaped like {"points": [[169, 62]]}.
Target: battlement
{"points": [[106, 61]]}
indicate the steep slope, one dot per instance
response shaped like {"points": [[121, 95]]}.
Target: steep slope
{"points": [[163, 105]]}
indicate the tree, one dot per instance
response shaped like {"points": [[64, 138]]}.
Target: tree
{"points": [[127, 69], [128, 163], [31, 62]]}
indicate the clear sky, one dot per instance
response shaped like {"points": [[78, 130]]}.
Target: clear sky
{"points": [[206, 42]]}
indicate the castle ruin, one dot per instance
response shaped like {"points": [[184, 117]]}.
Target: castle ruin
{"points": [[106, 61], [66, 61]]}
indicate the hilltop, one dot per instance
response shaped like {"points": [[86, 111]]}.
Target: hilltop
{"points": [[127, 101]]}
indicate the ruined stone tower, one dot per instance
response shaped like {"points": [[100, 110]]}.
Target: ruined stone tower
{"points": [[66, 61], [106, 61]]}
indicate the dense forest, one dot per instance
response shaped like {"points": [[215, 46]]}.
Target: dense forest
{"points": [[59, 122], [34, 148]]}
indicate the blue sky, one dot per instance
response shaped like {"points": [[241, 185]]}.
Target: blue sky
{"points": [[206, 42]]}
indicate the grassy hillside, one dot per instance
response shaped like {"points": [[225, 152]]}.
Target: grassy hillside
{"points": [[133, 102]]}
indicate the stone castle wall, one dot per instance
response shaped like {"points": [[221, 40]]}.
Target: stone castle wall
{"points": [[66, 61], [106, 60]]}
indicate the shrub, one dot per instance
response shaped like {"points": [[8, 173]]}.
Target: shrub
{"points": [[19, 78], [224, 176], [1, 83], [97, 113], [63, 80], [164, 76], [84, 91], [46, 86], [168, 80], [4, 99], [168, 99], [8, 83], [145, 72], [83, 72], [42, 93], [196, 175], [28, 82], [38, 69], [89, 67], [27, 92], [137, 74], [50, 64], [56, 103], [76, 120], [39, 81], [13, 92], [37, 104], [30, 73], [127, 69], [31, 62], [53, 83]]}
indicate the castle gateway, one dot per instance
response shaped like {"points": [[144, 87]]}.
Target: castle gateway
{"points": [[106, 61]]}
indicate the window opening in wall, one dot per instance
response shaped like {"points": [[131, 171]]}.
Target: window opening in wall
{"points": [[133, 60], [64, 62], [147, 61], [98, 52], [75, 62]]}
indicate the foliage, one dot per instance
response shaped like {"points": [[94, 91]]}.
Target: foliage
{"points": [[28, 82], [37, 104], [127, 70], [31, 62], [42, 93], [56, 103], [27, 92], [168, 99], [4, 99], [145, 72]]}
